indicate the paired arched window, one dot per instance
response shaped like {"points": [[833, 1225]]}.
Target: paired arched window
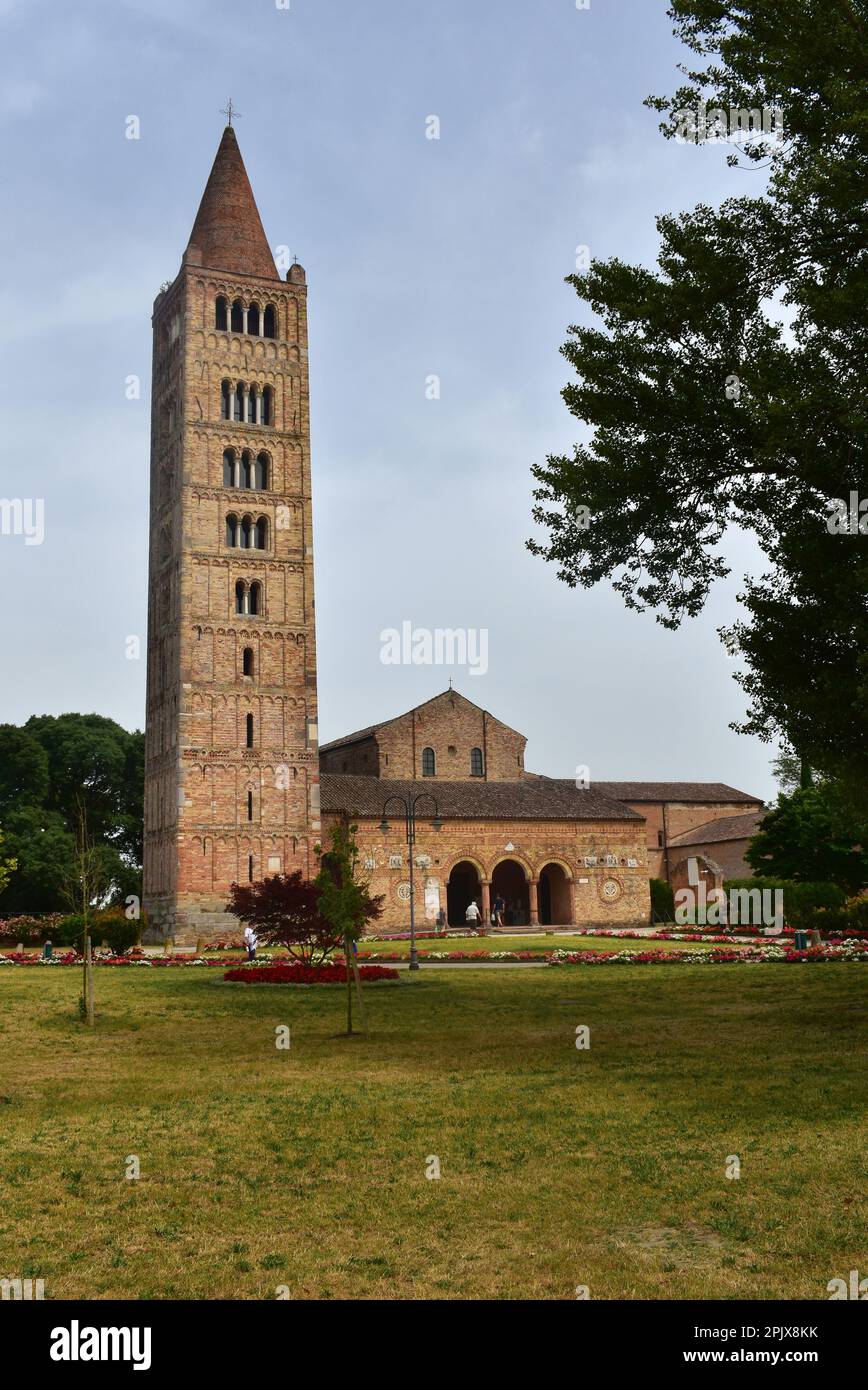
{"points": [[249, 730], [251, 318], [245, 533], [246, 403], [477, 766], [428, 762], [247, 662], [248, 598], [246, 469]]}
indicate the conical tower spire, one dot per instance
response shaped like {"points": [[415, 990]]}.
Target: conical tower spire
{"points": [[228, 232]]}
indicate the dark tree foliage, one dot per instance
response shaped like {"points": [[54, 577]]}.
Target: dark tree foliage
{"points": [[45, 766], [284, 911], [810, 836], [706, 412]]}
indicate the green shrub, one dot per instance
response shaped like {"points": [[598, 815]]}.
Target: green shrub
{"points": [[662, 901], [116, 930], [109, 926], [802, 901]]}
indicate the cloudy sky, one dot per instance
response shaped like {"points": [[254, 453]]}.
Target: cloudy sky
{"points": [[424, 257]]}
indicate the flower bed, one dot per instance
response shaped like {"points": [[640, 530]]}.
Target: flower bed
{"points": [[300, 974], [850, 949]]}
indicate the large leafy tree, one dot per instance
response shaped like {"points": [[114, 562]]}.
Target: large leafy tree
{"points": [[811, 836], [51, 769], [706, 411]]}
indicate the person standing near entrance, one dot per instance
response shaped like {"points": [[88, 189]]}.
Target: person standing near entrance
{"points": [[250, 942], [499, 906]]}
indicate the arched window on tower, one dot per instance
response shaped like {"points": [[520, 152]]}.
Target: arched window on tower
{"points": [[255, 597], [249, 805], [228, 468], [262, 533], [240, 595], [268, 406], [238, 403], [428, 762], [261, 472], [221, 316], [253, 320], [232, 530], [246, 469], [247, 533], [247, 665], [476, 763], [237, 317], [249, 730], [269, 322], [225, 401]]}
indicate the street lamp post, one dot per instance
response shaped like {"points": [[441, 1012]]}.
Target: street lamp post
{"points": [[409, 804]]}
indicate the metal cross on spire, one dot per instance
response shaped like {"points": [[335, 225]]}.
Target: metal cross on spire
{"points": [[229, 111]]}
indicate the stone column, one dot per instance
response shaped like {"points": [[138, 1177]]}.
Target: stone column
{"points": [[534, 909], [245, 405], [486, 902]]}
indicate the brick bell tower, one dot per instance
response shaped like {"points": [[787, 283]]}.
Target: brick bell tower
{"points": [[231, 766]]}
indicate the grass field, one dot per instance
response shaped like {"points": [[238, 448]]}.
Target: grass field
{"points": [[538, 945], [559, 1168]]}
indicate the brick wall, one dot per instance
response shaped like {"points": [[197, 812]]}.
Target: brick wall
{"points": [[535, 845], [212, 803]]}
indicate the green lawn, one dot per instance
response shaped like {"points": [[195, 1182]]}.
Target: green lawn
{"points": [[559, 1168], [539, 945]]}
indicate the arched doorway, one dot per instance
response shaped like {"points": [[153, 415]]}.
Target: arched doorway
{"points": [[509, 881], [555, 905], [464, 884]]}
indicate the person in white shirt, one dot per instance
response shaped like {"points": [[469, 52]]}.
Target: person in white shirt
{"points": [[472, 915], [250, 942]]}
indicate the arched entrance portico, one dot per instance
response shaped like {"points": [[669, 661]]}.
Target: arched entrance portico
{"points": [[464, 884], [555, 897], [509, 881]]}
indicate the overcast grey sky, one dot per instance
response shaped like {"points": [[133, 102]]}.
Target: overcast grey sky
{"points": [[423, 257]]}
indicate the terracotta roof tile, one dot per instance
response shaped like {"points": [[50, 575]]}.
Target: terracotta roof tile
{"points": [[364, 796]]}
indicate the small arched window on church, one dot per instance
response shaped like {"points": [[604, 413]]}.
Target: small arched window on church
{"points": [[250, 805], [246, 532], [221, 319], [255, 604], [247, 666], [250, 868], [262, 533], [253, 320], [240, 595], [249, 732], [428, 763], [232, 530], [225, 400], [253, 405], [228, 468], [246, 469], [268, 406], [238, 401], [269, 322], [237, 317], [476, 765], [260, 472]]}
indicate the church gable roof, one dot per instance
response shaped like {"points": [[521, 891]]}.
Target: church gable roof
{"points": [[373, 729], [228, 233]]}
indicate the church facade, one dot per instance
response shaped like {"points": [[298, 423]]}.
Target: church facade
{"points": [[236, 785]]}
